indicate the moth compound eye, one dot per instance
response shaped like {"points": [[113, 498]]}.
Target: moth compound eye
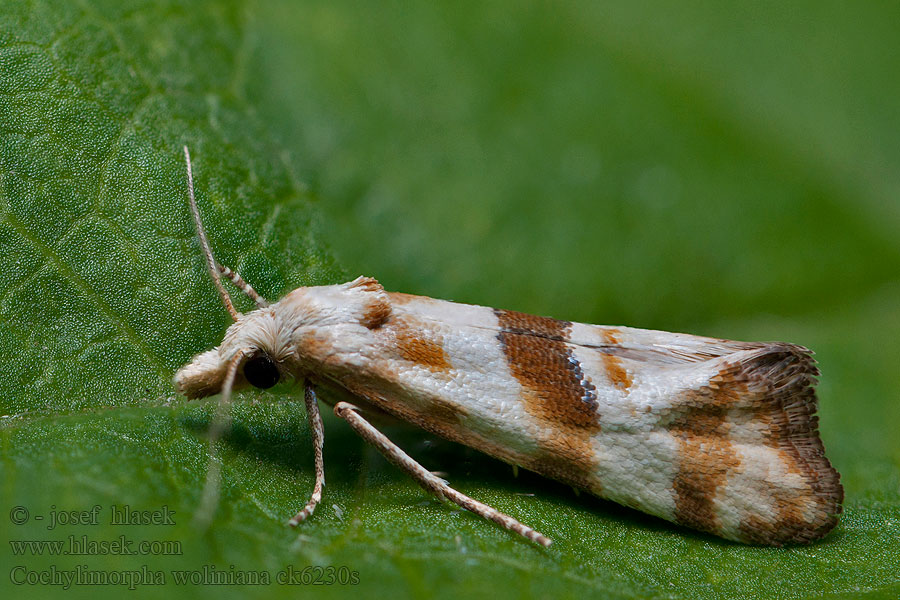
{"points": [[261, 372]]}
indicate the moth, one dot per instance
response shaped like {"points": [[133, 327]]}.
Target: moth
{"points": [[713, 434]]}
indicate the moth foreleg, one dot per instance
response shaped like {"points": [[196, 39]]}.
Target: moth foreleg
{"points": [[220, 421], [318, 438], [428, 480]]}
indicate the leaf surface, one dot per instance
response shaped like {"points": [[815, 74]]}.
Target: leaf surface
{"points": [[729, 174]]}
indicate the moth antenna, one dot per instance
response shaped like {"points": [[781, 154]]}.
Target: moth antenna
{"points": [[207, 251], [242, 285], [217, 427]]}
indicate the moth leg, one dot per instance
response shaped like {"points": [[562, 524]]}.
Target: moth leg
{"points": [[220, 421], [428, 480], [318, 438]]}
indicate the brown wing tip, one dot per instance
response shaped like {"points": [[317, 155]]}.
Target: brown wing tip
{"points": [[785, 374]]}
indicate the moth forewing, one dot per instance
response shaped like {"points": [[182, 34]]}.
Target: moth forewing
{"points": [[714, 434]]}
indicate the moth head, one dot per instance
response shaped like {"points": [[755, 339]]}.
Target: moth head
{"points": [[265, 345], [270, 344], [254, 344], [256, 348]]}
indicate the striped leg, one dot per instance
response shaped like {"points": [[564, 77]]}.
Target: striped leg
{"points": [[428, 480], [318, 437]]}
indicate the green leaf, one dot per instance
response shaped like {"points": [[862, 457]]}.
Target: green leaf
{"points": [[730, 173]]}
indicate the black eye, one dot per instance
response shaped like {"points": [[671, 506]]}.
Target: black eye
{"points": [[261, 372]]}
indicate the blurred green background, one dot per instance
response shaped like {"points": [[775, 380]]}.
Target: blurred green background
{"points": [[727, 170]]}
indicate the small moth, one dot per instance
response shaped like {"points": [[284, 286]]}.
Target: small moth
{"points": [[713, 434]]}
